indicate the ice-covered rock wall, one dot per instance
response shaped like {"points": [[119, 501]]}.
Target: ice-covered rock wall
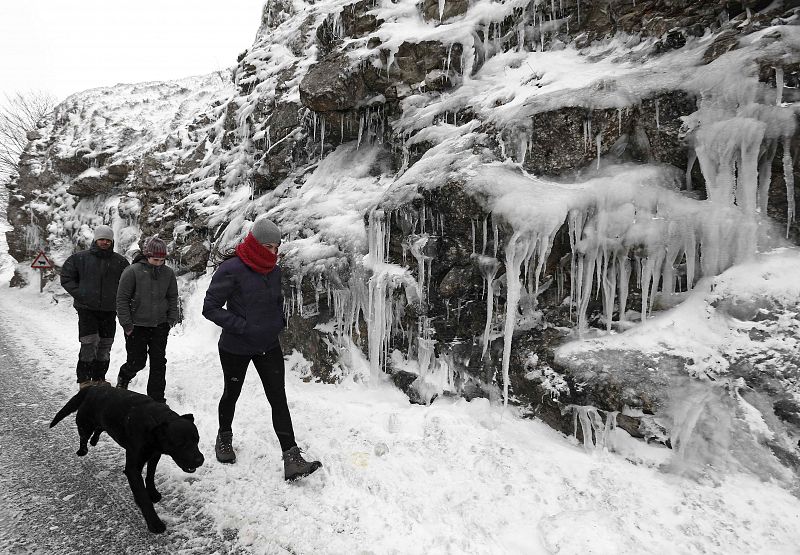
{"points": [[463, 185]]}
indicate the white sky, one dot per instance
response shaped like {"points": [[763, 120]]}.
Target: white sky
{"points": [[65, 47]]}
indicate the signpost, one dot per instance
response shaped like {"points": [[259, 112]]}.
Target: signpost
{"points": [[42, 263]]}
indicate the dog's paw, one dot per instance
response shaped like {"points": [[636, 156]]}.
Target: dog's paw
{"points": [[154, 496], [156, 527], [82, 451]]}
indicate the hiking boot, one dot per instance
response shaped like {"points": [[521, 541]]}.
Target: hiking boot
{"points": [[224, 448], [85, 383], [101, 382], [122, 383], [295, 466]]}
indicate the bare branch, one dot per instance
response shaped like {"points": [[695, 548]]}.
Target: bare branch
{"points": [[19, 114]]}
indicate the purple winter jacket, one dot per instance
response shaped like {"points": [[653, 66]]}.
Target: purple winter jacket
{"points": [[253, 317]]}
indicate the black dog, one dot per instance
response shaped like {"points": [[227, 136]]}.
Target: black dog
{"points": [[145, 428]]}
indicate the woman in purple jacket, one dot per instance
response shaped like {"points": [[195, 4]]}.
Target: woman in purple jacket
{"points": [[245, 300]]}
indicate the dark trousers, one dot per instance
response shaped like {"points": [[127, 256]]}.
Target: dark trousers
{"points": [[96, 329], [140, 344], [271, 370]]}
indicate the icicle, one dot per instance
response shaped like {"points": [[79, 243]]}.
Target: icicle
{"points": [[379, 310], [416, 246], [314, 125], [594, 431], [788, 177], [585, 135], [765, 174], [441, 9], [609, 281], [516, 253], [472, 225], [674, 248], [779, 85], [322, 138], [585, 271], [689, 167], [488, 267], [485, 230], [598, 142], [623, 282], [541, 36], [360, 131], [658, 121]]}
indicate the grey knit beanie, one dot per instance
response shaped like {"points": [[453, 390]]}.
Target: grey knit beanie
{"points": [[265, 231], [103, 232]]}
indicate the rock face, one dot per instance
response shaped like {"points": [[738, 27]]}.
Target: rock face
{"points": [[218, 151], [332, 85]]}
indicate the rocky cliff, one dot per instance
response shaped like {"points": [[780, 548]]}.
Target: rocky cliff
{"points": [[467, 185]]}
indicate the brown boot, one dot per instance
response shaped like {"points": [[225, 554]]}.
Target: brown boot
{"points": [[295, 466], [86, 383], [224, 448]]}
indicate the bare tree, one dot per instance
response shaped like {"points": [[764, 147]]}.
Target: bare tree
{"points": [[19, 115]]}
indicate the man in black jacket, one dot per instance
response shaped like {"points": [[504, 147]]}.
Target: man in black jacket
{"points": [[92, 277]]}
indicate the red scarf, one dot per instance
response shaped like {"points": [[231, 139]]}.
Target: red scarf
{"points": [[258, 257]]}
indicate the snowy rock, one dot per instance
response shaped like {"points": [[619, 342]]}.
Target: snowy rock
{"points": [[332, 85], [91, 185], [724, 42]]}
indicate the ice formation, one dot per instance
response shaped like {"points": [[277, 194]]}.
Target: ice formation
{"points": [[597, 434]]}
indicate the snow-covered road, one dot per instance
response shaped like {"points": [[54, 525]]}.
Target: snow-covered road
{"points": [[454, 477], [53, 502]]}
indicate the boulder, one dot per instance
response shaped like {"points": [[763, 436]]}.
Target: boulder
{"points": [[332, 85]]}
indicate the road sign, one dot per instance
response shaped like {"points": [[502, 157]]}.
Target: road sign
{"points": [[41, 261]]}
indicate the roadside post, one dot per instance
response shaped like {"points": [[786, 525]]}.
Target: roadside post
{"points": [[42, 263]]}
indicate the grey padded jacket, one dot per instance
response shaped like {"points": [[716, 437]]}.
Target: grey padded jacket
{"points": [[147, 296]]}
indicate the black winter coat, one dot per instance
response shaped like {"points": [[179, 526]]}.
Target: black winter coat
{"points": [[92, 277], [253, 317]]}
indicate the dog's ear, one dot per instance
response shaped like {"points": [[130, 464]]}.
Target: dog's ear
{"points": [[189, 417]]}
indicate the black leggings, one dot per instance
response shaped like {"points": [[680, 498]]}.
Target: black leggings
{"points": [[270, 369]]}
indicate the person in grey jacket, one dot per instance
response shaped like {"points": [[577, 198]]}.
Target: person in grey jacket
{"points": [[91, 277], [147, 307]]}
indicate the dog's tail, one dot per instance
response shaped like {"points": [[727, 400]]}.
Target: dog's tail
{"points": [[71, 406]]}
